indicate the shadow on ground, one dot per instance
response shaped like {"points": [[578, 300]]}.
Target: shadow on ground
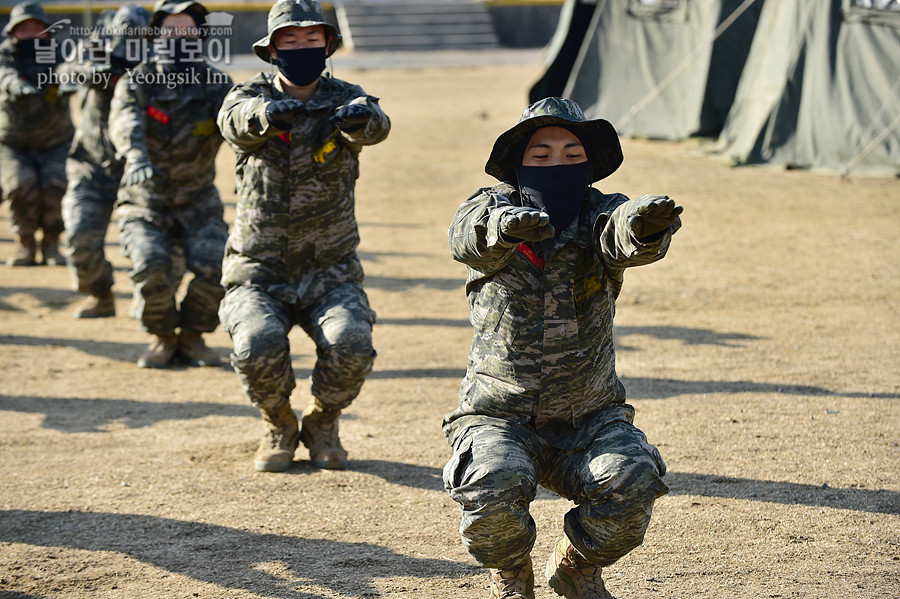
{"points": [[82, 415], [266, 565], [879, 501]]}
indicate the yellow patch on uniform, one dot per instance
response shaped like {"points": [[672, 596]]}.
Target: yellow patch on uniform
{"points": [[52, 93], [204, 128], [592, 284], [327, 148]]}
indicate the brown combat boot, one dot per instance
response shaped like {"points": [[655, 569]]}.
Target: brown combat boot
{"points": [[319, 433], [50, 254], [193, 350], [101, 305], [25, 253], [572, 576], [160, 353], [516, 582], [276, 451]]}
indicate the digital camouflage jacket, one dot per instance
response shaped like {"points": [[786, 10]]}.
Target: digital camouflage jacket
{"points": [[295, 234], [170, 117], [32, 122], [542, 353]]}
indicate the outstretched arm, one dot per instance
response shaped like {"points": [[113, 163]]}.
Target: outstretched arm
{"points": [[637, 231], [487, 228]]}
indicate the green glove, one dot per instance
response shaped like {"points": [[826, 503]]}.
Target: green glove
{"points": [[138, 170], [653, 216], [526, 224], [284, 113], [351, 117]]}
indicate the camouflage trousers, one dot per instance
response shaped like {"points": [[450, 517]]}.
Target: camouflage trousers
{"points": [[34, 183], [495, 470], [154, 241], [86, 210], [340, 324]]}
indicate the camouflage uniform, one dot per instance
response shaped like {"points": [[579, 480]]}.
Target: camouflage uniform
{"points": [[93, 169], [291, 256], [541, 402], [35, 134], [174, 126]]}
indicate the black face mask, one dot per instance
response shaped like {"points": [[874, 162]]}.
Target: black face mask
{"points": [[27, 49], [301, 66], [557, 190]]}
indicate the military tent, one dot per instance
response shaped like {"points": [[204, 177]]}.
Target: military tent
{"points": [[821, 88], [664, 69]]}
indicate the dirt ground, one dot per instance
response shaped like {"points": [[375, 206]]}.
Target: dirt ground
{"points": [[762, 355]]}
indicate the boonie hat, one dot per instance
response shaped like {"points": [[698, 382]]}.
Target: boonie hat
{"points": [[173, 7], [599, 137], [296, 13], [23, 12]]}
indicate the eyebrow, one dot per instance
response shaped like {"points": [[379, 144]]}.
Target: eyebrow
{"points": [[571, 144]]}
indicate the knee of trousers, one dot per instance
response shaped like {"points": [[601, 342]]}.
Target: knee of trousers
{"points": [[348, 339], [347, 356], [153, 273], [262, 361], [615, 514], [496, 526], [634, 485], [491, 485]]}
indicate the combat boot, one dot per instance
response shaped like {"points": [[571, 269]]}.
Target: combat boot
{"points": [[160, 353], [100, 305], [50, 254], [25, 253], [572, 576], [276, 452], [516, 582], [319, 433], [193, 350]]}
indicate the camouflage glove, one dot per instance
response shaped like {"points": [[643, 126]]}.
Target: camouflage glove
{"points": [[526, 224], [653, 216], [284, 113], [19, 88], [138, 170], [351, 117]]}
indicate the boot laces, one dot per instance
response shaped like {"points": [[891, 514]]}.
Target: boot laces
{"points": [[510, 585]]}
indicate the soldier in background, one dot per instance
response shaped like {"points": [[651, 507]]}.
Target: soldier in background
{"points": [[291, 256], [541, 403], [93, 170], [162, 123], [35, 134]]}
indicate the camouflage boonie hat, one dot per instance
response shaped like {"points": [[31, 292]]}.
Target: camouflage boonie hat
{"points": [[163, 8], [23, 12], [297, 13], [599, 137], [124, 25]]}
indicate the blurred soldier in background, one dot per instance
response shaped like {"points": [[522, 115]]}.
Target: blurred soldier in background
{"points": [[163, 124], [35, 134], [93, 169], [291, 258]]}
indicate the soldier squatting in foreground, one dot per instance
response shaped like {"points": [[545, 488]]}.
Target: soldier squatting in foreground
{"points": [[541, 403]]}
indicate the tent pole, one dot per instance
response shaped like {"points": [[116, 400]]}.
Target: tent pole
{"points": [[582, 50], [860, 156], [854, 162]]}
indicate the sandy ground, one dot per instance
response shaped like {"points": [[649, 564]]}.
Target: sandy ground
{"points": [[762, 355]]}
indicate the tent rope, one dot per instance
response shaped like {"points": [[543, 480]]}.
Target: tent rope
{"points": [[691, 57], [861, 155]]}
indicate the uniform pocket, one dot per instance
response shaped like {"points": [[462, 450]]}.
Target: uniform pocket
{"points": [[455, 470]]}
